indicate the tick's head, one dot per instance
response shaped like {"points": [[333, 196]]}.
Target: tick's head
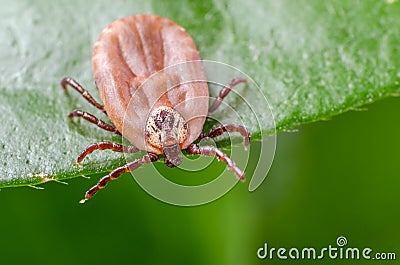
{"points": [[166, 130]]}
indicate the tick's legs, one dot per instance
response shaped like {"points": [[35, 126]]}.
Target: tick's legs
{"points": [[148, 158], [71, 82], [193, 149], [90, 118], [224, 92], [228, 128], [106, 146]]}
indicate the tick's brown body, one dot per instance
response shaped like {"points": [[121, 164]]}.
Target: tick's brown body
{"points": [[154, 99]]}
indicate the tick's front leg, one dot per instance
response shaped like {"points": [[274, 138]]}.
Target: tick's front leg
{"points": [[106, 146], [193, 149], [93, 119], [74, 84], [217, 131], [148, 158], [224, 92]]}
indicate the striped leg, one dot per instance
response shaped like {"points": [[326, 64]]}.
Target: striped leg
{"points": [[148, 158], [90, 118], [106, 146], [74, 84], [224, 92], [217, 131], [193, 149]]}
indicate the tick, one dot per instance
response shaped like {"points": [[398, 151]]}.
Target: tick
{"points": [[153, 117]]}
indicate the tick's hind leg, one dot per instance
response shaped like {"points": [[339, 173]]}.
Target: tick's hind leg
{"points": [[148, 158], [74, 84], [92, 119], [106, 146], [217, 131], [193, 149], [224, 92]]}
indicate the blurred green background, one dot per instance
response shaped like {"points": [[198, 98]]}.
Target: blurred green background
{"points": [[328, 179], [334, 178]]}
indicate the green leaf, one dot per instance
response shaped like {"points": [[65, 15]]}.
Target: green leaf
{"points": [[312, 60]]}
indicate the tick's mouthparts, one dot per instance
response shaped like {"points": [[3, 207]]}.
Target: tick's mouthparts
{"points": [[173, 154]]}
